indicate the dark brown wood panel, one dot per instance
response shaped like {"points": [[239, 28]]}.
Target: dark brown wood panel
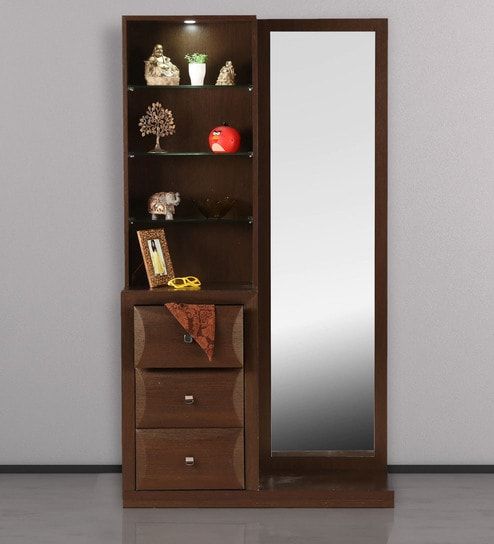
{"points": [[128, 396], [159, 340], [381, 248], [189, 398], [190, 459], [264, 250], [346, 489], [258, 499]]}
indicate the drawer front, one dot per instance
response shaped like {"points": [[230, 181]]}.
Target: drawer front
{"points": [[190, 459], [189, 398], [159, 340]]}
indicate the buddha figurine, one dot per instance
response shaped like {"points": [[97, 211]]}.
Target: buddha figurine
{"points": [[226, 75], [159, 70]]}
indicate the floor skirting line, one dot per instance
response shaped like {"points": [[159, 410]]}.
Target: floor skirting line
{"points": [[107, 469]]}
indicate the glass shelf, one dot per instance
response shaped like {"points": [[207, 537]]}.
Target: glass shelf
{"points": [[205, 287], [148, 222], [188, 87], [133, 154]]}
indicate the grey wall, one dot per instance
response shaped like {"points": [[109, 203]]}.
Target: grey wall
{"points": [[61, 213]]}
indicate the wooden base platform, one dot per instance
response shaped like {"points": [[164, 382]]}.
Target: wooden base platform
{"points": [[345, 489]]}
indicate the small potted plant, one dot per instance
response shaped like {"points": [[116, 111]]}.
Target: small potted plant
{"points": [[197, 67]]}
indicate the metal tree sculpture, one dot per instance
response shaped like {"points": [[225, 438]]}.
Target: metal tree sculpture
{"points": [[158, 121]]}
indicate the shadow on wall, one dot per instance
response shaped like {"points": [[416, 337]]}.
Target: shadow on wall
{"points": [[111, 79]]}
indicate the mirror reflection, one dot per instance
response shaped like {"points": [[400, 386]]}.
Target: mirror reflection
{"points": [[322, 241]]}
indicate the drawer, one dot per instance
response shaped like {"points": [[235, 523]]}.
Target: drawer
{"points": [[190, 458], [189, 398], [160, 341]]}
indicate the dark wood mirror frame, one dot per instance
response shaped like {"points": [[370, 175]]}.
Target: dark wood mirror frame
{"points": [[310, 462]]}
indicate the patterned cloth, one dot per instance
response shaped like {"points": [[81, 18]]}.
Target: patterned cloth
{"points": [[199, 320]]}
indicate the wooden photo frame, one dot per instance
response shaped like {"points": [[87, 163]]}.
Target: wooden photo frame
{"points": [[157, 260]]}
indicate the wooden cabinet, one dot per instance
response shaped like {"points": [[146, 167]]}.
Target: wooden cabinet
{"points": [[197, 433], [176, 402], [189, 420]]}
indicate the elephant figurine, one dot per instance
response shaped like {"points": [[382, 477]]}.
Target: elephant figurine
{"points": [[163, 204]]}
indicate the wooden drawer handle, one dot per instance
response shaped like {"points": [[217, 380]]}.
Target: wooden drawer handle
{"points": [[189, 399], [188, 339], [189, 461]]}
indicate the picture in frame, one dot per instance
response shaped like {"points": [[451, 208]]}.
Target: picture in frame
{"points": [[157, 260]]}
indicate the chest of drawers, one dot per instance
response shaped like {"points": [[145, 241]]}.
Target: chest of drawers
{"points": [[189, 411]]}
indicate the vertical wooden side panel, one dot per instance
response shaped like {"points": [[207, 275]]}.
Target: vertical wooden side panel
{"points": [[251, 388], [255, 159], [264, 247], [381, 244], [125, 148], [128, 378], [251, 313], [128, 396]]}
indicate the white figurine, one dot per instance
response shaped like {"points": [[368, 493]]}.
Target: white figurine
{"points": [[163, 204]]}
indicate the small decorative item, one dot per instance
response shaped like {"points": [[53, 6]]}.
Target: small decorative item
{"points": [[197, 67], [163, 204], [224, 139], [157, 121], [157, 260], [159, 70], [187, 281], [226, 75], [215, 208]]}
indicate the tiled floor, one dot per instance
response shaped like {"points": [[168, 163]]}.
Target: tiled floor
{"points": [[77, 509]]}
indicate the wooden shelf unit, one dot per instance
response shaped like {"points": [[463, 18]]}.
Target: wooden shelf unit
{"points": [[223, 254], [212, 251]]}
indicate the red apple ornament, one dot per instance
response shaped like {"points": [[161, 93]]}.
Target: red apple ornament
{"points": [[224, 139]]}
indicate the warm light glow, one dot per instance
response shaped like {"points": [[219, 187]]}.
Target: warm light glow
{"points": [[189, 22]]}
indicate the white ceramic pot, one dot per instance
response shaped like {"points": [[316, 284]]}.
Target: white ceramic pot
{"points": [[197, 73]]}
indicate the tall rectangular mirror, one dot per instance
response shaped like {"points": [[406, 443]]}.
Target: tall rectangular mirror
{"points": [[322, 183]]}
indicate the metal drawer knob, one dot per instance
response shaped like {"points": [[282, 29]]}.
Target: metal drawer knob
{"points": [[188, 339], [189, 399], [189, 461]]}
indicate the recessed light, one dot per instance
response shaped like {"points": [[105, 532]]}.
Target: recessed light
{"points": [[189, 22]]}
